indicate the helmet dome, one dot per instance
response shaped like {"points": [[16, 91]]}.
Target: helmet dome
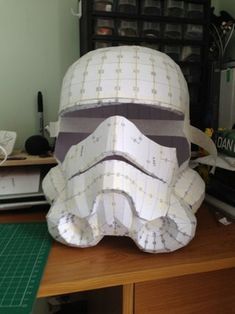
{"points": [[124, 74]]}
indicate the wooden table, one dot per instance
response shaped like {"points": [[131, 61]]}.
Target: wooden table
{"points": [[23, 159], [197, 278]]}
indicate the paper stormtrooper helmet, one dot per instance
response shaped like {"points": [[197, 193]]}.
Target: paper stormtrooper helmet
{"points": [[123, 150]]}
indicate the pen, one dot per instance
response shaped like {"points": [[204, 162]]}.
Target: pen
{"points": [[14, 158], [40, 113]]}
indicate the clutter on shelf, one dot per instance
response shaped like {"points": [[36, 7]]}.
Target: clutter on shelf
{"points": [[220, 185], [221, 31]]}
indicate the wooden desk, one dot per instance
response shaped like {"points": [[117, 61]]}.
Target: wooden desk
{"points": [[23, 159], [198, 278]]}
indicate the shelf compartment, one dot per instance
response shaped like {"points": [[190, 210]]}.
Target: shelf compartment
{"points": [[193, 32], [174, 8], [127, 6], [166, 19], [151, 29], [103, 5], [151, 7], [127, 28], [104, 27], [173, 31], [139, 40], [194, 11], [172, 51], [190, 54]]}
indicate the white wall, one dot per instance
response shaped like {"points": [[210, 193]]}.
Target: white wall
{"points": [[39, 39]]}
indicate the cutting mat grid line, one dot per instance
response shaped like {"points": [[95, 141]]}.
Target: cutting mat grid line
{"points": [[23, 252]]}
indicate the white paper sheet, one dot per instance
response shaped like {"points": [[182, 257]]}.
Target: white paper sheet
{"points": [[17, 181], [222, 161]]}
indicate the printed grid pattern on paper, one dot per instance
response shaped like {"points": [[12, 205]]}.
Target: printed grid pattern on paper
{"points": [[24, 248], [126, 74]]}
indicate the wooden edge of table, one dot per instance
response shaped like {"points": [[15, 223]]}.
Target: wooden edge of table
{"points": [[128, 299], [128, 278], [23, 159], [118, 262]]}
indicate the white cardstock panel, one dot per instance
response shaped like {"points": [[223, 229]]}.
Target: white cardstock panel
{"points": [[148, 197], [117, 136], [92, 198], [117, 181], [124, 74], [190, 188], [114, 216]]}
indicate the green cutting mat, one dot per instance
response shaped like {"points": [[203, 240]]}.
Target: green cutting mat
{"points": [[24, 248]]}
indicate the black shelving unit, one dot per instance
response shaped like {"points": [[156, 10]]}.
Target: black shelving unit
{"points": [[180, 28]]}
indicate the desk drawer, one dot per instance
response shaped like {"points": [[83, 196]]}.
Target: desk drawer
{"points": [[211, 293]]}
